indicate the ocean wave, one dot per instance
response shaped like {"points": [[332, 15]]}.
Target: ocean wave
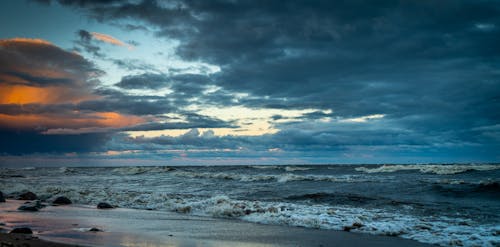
{"points": [[435, 169], [264, 167], [136, 170], [286, 168], [429, 229], [488, 186], [296, 168], [28, 168], [282, 178], [67, 170], [327, 178]]}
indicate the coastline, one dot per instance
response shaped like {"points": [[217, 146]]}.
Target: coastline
{"points": [[69, 226]]}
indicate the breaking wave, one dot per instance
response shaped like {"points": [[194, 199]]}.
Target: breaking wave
{"points": [[436, 169], [282, 178], [296, 168], [286, 168], [136, 170]]}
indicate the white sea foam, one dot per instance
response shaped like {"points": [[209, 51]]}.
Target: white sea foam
{"points": [[264, 167], [436, 230], [282, 178], [296, 168], [28, 168], [436, 169]]}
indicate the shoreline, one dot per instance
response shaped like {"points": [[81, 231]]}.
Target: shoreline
{"points": [[26, 240], [69, 226]]}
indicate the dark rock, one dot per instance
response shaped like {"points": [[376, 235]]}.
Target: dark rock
{"points": [[2, 198], [347, 228], [354, 226], [357, 225], [62, 200], [31, 206], [94, 229], [184, 210], [22, 230], [104, 205], [27, 196], [27, 208]]}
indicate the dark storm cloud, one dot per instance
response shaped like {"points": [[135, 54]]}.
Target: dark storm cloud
{"points": [[143, 81], [40, 82], [33, 142], [85, 42], [135, 64], [23, 109], [38, 63], [430, 67], [115, 100], [35, 80], [191, 84], [192, 121]]}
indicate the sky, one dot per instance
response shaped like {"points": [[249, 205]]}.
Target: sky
{"points": [[97, 82]]}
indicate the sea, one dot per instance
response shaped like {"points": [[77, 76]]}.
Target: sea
{"points": [[443, 204]]}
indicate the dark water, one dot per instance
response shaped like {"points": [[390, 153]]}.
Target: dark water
{"points": [[450, 205]]}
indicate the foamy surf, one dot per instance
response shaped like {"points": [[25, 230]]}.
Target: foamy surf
{"points": [[282, 178], [436, 169]]}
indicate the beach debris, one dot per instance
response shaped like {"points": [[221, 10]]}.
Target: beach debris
{"points": [[95, 229], [62, 200], [27, 196], [104, 205], [31, 206], [22, 230], [2, 198]]}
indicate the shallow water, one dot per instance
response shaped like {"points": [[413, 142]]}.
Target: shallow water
{"points": [[441, 204]]}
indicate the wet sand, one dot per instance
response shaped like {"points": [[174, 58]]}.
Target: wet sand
{"points": [[128, 227], [23, 240]]}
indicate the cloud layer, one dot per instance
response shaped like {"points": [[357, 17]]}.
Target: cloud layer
{"points": [[427, 71]]}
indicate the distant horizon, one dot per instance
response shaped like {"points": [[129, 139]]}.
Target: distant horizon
{"points": [[19, 162]]}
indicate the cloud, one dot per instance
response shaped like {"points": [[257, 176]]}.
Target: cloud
{"points": [[42, 87], [110, 40], [85, 42], [143, 81], [430, 71], [36, 71], [20, 143]]}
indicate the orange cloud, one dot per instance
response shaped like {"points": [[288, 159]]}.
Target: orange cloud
{"points": [[110, 39], [7, 42], [35, 74], [94, 120], [113, 119], [21, 94]]}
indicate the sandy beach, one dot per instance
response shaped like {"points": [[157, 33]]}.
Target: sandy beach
{"points": [[70, 225]]}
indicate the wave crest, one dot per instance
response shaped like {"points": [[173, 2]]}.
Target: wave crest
{"points": [[435, 169], [282, 178]]}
